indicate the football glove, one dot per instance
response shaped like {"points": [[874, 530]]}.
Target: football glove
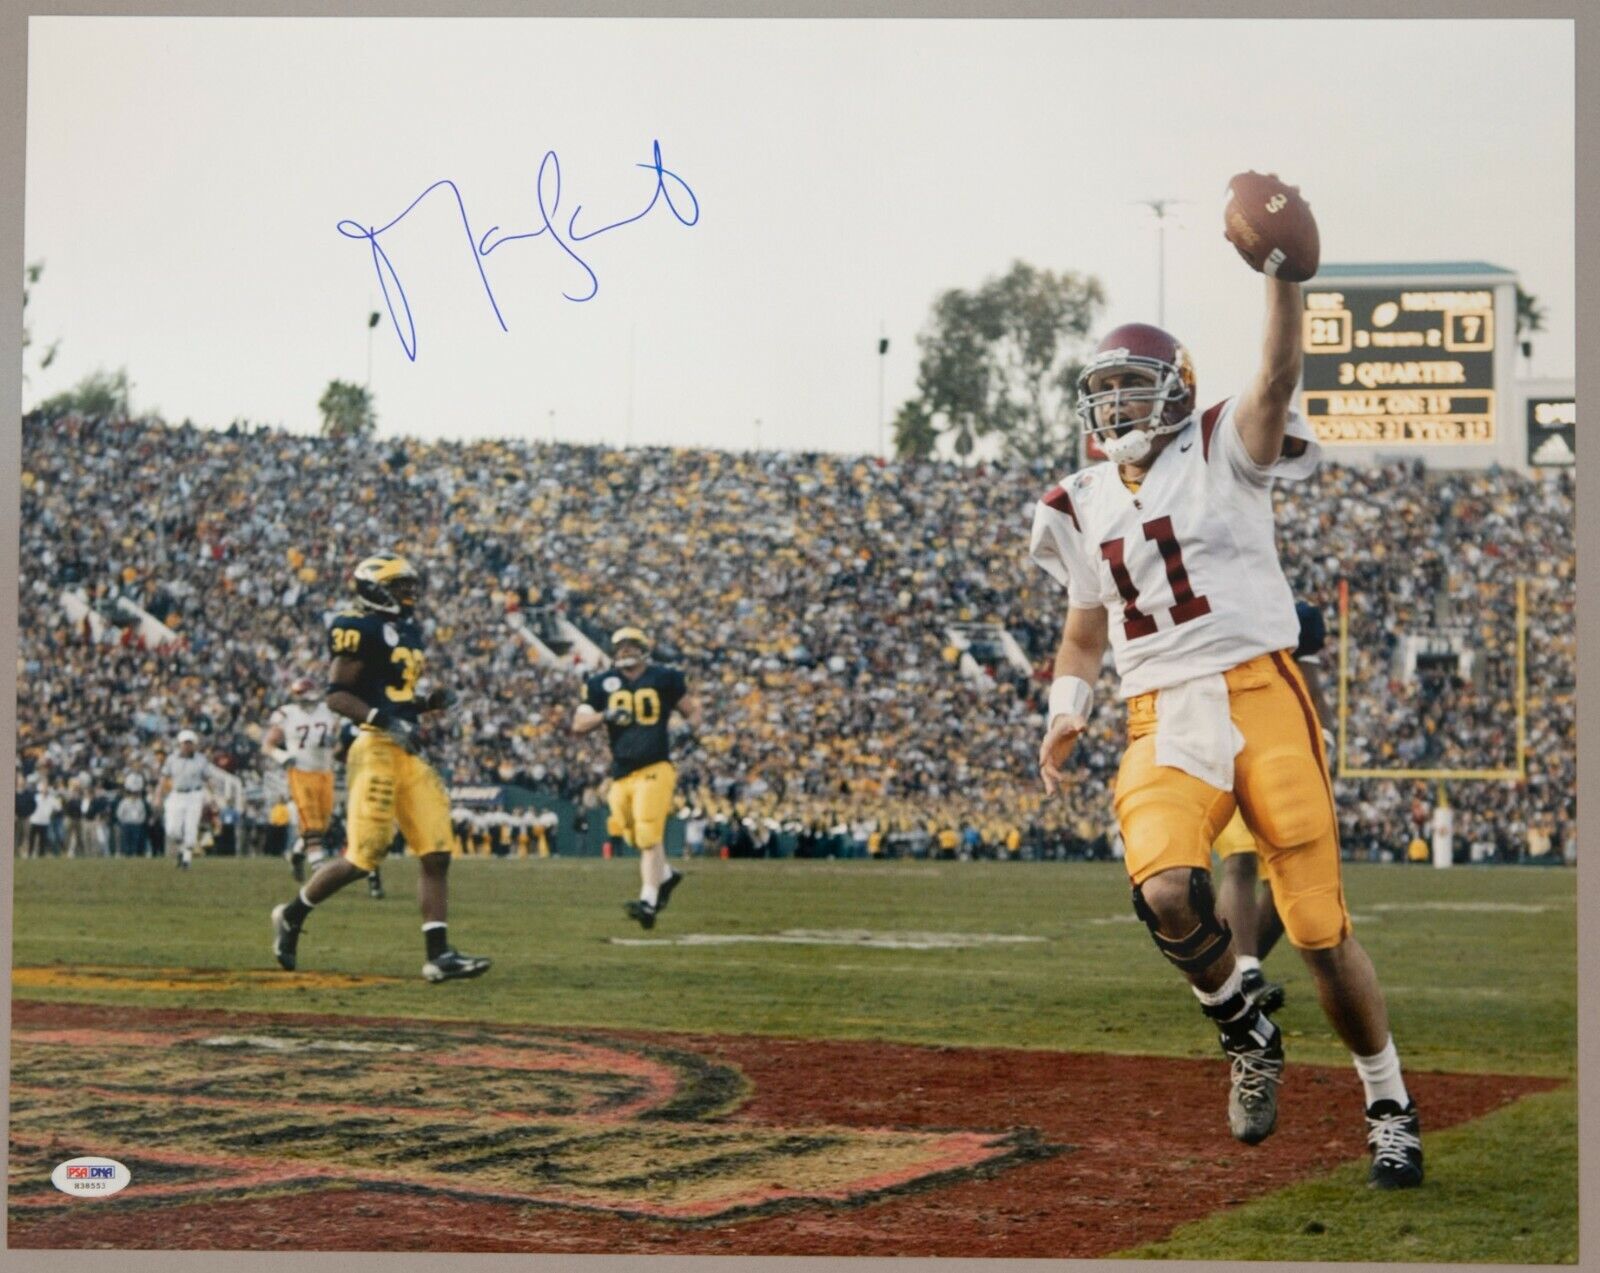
{"points": [[398, 728], [440, 700], [618, 716]]}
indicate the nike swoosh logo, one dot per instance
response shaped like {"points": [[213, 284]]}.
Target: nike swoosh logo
{"points": [[1186, 446]]}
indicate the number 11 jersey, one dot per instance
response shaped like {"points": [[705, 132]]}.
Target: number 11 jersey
{"points": [[1186, 566]]}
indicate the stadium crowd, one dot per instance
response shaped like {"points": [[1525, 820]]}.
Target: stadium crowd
{"points": [[808, 597]]}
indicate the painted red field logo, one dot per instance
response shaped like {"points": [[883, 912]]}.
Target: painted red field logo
{"points": [[474, 1113]]}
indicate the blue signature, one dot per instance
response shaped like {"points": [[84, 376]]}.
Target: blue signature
{"points": [[548, 191]]}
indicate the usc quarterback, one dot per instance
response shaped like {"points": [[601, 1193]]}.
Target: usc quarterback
{"points": [[1167, 552], [634, 699], [377, 660]]}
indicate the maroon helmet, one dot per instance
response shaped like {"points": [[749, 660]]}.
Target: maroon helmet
{"points": [[1170, 371]]}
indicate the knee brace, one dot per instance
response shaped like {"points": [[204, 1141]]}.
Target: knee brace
{"points": [[1206, 944]]}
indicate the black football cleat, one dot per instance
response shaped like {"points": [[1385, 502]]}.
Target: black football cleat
{"points": [[1395, 1137], [1255, 1073], [1267, 995], [643, 912], [285, 938], [454, 966], [665, 891]]}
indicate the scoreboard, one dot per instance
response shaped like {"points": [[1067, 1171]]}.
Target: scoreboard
{"points": [[1401, 364]]}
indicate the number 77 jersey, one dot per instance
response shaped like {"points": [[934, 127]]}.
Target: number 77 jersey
{"points": [[1186, 566]]}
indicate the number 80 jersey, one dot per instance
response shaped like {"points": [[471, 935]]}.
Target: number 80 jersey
{"points": [[649, 699], [1186, 567], [389, 649]]}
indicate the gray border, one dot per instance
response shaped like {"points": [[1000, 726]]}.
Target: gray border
{"points": [[13, 107]]}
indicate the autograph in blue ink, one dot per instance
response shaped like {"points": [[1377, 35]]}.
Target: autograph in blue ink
{"points": [[548, 191]]}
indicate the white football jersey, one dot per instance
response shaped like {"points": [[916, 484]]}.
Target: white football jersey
{"points": [[309, 734], [186, 773], [1187, 568]]}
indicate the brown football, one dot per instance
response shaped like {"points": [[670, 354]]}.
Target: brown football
{"points": [[1272, 227]]}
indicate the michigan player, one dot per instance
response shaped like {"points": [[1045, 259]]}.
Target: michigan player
{"points": [[1251, 915], [302, 736], [634, 699], [377, 652], [1167, 551]]}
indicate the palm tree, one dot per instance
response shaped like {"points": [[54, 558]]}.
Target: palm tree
{"points": [[346, 410], [1530, 314]]}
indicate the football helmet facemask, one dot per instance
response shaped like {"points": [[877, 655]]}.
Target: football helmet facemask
{"points": [[630, 647], [1164, 378], [386, 583]]}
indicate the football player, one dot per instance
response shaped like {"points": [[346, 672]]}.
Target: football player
{"points": [[1251, 916], [635, 699], [1167, 551], [377, 661], [302, 736]]}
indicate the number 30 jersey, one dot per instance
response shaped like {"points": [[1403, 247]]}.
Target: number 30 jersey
{"points": [[389, 649], [1187, 566], [649, 698]]}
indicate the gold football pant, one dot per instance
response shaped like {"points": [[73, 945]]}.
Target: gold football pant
{"points": [[391, 788], [1170, 818], [641, 803], [1235, 838], [312, 793]]}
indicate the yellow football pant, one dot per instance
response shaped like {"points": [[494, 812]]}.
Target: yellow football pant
{"points": [[389, 788], [641, 803], [1235, 838], [312, 793], [1170, 818]]}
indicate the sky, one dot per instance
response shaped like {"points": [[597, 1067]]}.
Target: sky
{"points": [[186, 179]]}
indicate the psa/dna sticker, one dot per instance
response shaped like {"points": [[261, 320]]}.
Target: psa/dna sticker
{"points": [[91, 1177]]}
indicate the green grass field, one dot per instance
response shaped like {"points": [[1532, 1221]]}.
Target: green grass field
{"points": [[1479, 966]]}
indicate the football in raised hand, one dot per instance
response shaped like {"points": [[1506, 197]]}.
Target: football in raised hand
{"points": [[1272, 227]]}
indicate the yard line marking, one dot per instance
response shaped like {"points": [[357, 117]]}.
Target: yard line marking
{"points": [[1509, 908], [847, 937]]}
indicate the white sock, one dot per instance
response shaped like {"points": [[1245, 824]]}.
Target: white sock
{"points": [[1232, 986], [1247, 963], [653, 873], [1381, 1077], [187, 854]]}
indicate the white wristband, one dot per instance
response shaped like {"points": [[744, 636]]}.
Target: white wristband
{"points": [[1072, 697]]}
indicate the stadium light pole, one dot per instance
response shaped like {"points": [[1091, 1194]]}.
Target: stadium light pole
{"points": [[1162, 210], [883, 351], [372, 324]]}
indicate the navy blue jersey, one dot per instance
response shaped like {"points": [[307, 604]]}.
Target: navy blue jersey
{"points": [[1313, 630], [649, 698], [389, 650]]}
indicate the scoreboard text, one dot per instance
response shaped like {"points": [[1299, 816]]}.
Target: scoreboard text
{"points": [[1387, 365]]}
